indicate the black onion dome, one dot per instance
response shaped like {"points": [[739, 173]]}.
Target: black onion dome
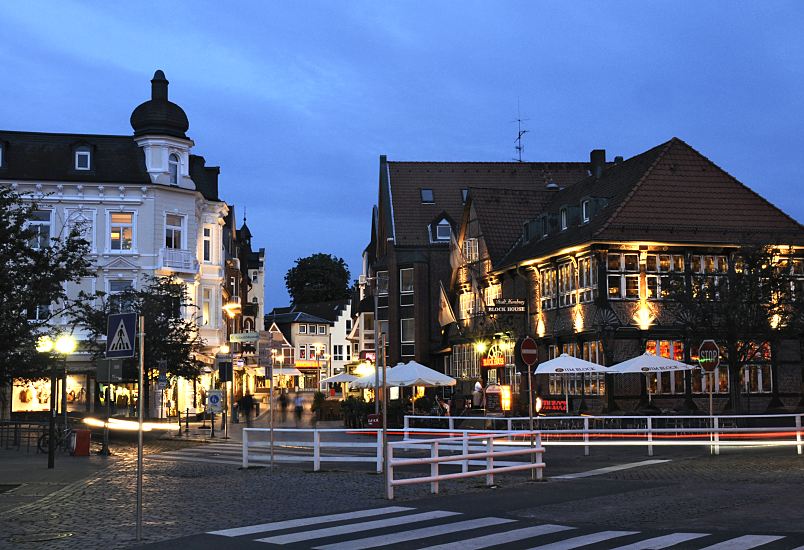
{"points": [[158, 115]]}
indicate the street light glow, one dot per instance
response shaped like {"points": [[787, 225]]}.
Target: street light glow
{"points": [[44, 344], [65, 344]]}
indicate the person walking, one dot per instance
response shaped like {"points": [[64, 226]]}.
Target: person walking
{"points": [[283, 404], [298, 408], [246, 404]]}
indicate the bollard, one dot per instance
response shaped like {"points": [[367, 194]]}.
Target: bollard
{"points": [[717, 436], [798, 433], [465, 451], [405, 428], [389, 473], [379, 450], [186, 421], [650, 436], [245, 448], [178, 414], [212, 433], [490, 461], [434, 467], [316, 451], [586, 436]]}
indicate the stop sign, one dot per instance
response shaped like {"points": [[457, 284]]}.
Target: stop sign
{"points": [[709, 355], [529, 351]]}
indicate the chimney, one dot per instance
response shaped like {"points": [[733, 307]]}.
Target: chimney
{"points": [[597, 159], [618, 159]]}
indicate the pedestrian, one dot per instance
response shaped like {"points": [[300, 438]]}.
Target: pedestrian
{"points": [[246, 404], [298, 408], [283, 404]]}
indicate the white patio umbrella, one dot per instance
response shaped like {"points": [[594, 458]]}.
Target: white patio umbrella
{"points": [[416, 374], [567, 364], [646, 364], [365, 382], [343, 379]]}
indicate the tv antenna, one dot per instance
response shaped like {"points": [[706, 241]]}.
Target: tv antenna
{"points": [[518, 147]]}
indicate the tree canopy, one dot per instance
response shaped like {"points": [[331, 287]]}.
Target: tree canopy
{"points": [[318, 278], [37, 265]]}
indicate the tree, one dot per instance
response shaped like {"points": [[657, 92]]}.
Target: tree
{"points": [[317, 278], [36, 267], [747, 308], [171, 332]]}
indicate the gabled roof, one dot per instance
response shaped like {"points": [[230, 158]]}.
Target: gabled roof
{"points": [[448, 179], [501, 213], [294, 317], [324, 311], [671, 193]]}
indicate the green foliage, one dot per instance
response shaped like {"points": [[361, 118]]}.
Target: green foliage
{"points": [[317, 278], [355, 411], [318, 401], [32, 277]]}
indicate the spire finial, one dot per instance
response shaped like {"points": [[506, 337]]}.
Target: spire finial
{"points": [[244, 215], [159, 85]]}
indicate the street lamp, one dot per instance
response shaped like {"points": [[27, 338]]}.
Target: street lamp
{"points": [[64, 346]]}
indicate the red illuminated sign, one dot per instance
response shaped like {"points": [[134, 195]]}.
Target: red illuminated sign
{"points": [[551, 405], [497, 361]]}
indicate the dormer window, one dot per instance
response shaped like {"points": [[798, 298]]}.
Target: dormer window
{"points": [[563, 215], [427, 196], [585, 211], [82, 159], [173, 168], [464, 195], [443, 231]]}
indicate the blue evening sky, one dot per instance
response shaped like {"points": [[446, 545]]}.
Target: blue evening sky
{"points": [[296, 100]]}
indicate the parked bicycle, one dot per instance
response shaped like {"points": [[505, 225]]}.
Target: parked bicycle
{"points": [[62, 439]]}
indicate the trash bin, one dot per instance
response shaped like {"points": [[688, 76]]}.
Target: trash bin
{"points": [[79, 442]]}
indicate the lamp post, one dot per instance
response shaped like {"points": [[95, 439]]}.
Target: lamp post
{"points": [[64, 346], [224, 349]]}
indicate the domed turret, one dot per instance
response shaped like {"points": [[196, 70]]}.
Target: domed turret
{"points": [[159, 116]]}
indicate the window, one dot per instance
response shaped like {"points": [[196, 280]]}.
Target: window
{"points": [[302, 329], [545, 227], [311, 329], [337, 352], [587, 279], [427, 196], [80, 222], [464, 195], [406, 280], [302, 352], [470, 250], [348, 325], [667, 383], [254, 300], [121, 230], [348, 352], [382, 283], [173, 231], [443, 230], [82, 159], [491, 293], [206, 306], [322, 329], [254, 276], [173, 168], [117, 289], [407, 332], [40, 225], [566, 285], [621, 284], [563, 214], [207, 244], [38, 312], [467, 305], [585, 211], [547, 288], [577, 384]]}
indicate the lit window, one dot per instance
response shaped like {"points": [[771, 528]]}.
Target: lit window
{"points": [[585, 211], [40, 225], [427, 196], [443, 230], [173, 230], [173, 166], [206, 306], [563, 215], [121, 230], [82, 160], [470, 250]]}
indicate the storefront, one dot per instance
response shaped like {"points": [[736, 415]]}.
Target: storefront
{"points": [[34, 395]]}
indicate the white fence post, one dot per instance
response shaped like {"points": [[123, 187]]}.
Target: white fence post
{"points": [[717, 435], [451, 423], [798, 433], [316, 451], [509, 425], [379, 449], [434, 467], [245, 448], [539, 445], [650, 436], [586, 436], [389, 472], [405, 427], [465, 451], [490, 460]]}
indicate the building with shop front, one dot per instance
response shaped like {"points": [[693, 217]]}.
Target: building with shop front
{"points": [[419, 207], [592, 263], [309, 339], [148, 205]]}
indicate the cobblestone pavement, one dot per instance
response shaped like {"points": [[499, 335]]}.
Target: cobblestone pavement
{"points": [[731, 491]]}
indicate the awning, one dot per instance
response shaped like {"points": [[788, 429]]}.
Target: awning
{"points": [[286, 371]]}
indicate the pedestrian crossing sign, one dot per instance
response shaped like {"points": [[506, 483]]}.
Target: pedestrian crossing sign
{"points": [[120, 332]]}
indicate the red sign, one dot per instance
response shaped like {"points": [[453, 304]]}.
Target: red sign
{"points": [[709, 355], [551, 405], [529, 351], [374, 421], [497, 361]]}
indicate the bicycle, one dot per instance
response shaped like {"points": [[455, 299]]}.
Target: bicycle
{"points": [[62, 440]]}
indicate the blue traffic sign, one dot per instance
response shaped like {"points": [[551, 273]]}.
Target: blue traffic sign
{"points": [[120, 333]]}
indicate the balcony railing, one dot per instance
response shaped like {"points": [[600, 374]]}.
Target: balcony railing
{"points": [[178, 260]]}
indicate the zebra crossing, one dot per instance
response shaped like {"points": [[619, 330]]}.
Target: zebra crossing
{"points": [[424, 529]]}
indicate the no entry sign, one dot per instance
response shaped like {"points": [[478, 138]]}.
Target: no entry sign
{"points": [[709, 355], [529, 351]]}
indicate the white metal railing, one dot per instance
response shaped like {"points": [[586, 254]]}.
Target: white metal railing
{"points": [[315, 446], [179, 260], [485, 452], [649, 431]]}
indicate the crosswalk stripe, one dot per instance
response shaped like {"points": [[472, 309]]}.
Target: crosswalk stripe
{"points": [[583, 540], [743, 543], [500, 538], [355, 527], [415, 534], [302, 522], [665, 541], [609, 469], [194, 459]]}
